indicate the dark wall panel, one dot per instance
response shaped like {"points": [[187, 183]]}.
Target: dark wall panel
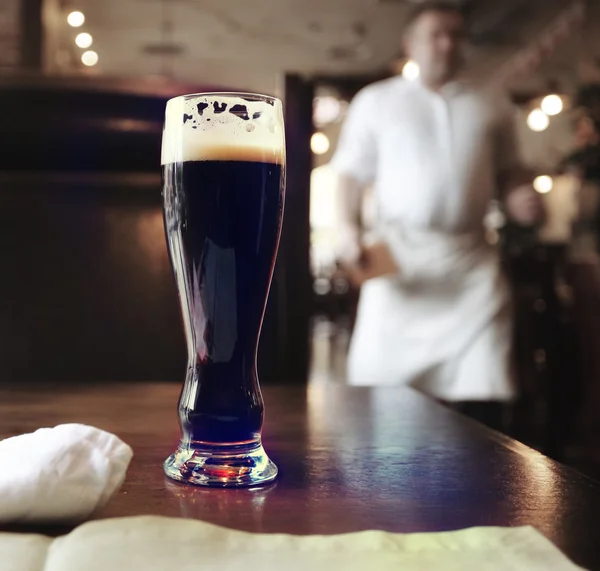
{"points": [[86, 290]]}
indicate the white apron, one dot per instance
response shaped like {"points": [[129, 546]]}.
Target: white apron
{"points": [[443, 326]]}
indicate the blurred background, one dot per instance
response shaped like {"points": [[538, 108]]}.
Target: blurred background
{"points": [[86, 292]]}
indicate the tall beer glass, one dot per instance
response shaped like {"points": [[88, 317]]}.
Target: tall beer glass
{"points": [[223, 167]]}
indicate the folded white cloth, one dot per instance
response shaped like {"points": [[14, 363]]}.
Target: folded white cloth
{"points": [[60, 474], [159, 543]]}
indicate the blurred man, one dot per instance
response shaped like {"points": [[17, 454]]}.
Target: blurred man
{"points": [[434, 311]]}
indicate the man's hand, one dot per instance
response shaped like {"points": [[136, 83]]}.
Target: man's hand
{"points": [[376, 261], [348, 250], [524, 205]]}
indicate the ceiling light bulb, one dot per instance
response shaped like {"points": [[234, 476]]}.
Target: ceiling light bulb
{"points": [[411, 70], [89, 58], [543, 184], [75, 19], [552, 104], [319, 143], [538, 120], [84, 40]]}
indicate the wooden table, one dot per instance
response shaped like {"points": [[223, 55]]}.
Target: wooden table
{"points": [[350, 459]]}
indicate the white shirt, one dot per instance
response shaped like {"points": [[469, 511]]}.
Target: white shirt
{"points": [[433, 158], [443, 324]]}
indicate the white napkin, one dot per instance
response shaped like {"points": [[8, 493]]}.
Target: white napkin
{"points": [[159, 543], [60, 474]]}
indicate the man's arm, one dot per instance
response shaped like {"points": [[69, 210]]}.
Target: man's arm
{"points": [[355, 162]]}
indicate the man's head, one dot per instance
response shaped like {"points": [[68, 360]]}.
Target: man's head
{"points": [[435, 39]]}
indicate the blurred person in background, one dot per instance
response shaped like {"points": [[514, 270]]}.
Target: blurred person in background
{"points": [[434, 311], [583, 166]]}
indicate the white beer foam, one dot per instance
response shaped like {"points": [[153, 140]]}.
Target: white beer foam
{"points": [[197, 128]]}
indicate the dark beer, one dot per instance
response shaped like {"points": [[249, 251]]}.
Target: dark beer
{"points": [[222, 220], [223, 161]]}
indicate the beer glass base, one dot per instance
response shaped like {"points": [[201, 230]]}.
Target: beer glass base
{"points": [[224, 466]]}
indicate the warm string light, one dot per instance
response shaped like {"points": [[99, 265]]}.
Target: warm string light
{"points": [[538, 120], [83, 40], [543, 184], [75, 19], [319, 143], [89, 58], [552, 104], [411, 70]]}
